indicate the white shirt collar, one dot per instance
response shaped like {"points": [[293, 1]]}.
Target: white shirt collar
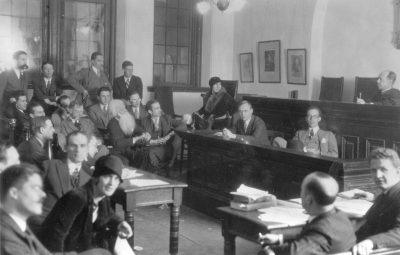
{"points": [[95, 70], [385, 90], [47, 79], [73, 166], [126, 78], [316, 129], [17, 72], [20, 222]]}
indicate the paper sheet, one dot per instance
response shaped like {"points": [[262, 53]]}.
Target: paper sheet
{"points": [[250, 192], [284, 216], [349, 194], [146, 182], [128, 173]]}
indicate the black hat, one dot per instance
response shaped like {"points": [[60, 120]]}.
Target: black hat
{"points": [[213, 81], [108, 164]]}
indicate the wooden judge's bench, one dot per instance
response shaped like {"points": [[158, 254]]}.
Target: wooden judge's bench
{"points": [[219, 165]]}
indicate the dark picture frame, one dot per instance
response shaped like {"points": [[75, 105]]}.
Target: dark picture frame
{"points": [[296, 66], [246, 67], [269, 61]]}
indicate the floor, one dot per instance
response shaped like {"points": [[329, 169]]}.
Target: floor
{"points": [[199, 234]]}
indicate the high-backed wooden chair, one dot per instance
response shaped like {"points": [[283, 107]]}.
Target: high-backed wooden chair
{"points": [[366, 87], [331, 89], [164, 95], [231, 87]]}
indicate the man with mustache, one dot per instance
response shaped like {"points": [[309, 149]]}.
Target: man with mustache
{"points": [[380, 227]]}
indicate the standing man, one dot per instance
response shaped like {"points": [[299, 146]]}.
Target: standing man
{"points": [[136, 108], [14, 80], [125, 84], [249, 126], [34, 151], [388, 95], [89, 80], [100, 113], [380, 227]]}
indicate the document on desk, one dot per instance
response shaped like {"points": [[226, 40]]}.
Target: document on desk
{"points": [[283, 216], [147, 182], [129, 173]]}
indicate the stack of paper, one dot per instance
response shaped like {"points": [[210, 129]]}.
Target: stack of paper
{"points": [[284, 216], [246, 194], [147, 182], [353, 207], [128, 173]]}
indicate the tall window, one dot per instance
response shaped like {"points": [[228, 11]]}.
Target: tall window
{"points": [[177, 29]]}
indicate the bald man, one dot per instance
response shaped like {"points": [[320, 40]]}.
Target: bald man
{"points": [[388, 95], [327, 231]]}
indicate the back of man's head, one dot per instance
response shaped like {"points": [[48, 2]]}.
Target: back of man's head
{"points": [[322, 187]]}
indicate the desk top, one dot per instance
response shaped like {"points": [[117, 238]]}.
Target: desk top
{"points": [[138, 180]]}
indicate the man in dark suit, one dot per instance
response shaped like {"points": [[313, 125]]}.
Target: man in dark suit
{"points": [[17, 112], [34, 151], [136, 108], [14, 80], [125, 84], [380, 227], [249, 127], [89, 80], [387, 95], [22, 197], [62, 112], [99, 113], [84, 218], [328, 230], [46, 87]]}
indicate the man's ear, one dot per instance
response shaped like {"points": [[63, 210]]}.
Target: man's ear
{"points": [[13, 191]]}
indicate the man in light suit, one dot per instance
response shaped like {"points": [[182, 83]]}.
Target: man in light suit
{"points": [[380, 227], [327, 231], [136, 108], [249, 127], [89, 80], [100, 113], [125, 84], [22, 197], [314, 139], [14, 80]]}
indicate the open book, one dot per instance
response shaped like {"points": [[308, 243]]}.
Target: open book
{"points": [[246, 194]]}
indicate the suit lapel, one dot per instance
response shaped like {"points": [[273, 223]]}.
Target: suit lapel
{"points": [[14, 78]]}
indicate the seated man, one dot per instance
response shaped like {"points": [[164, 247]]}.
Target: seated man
{"points": [[136, 108], [61, 113], [18, 114], [249, 127], [21, 197], [328, 230], [83, 218], [126, 137], [76, 121], [314, 140], [35, 109], [34, 151], [8, 156], [99, 113], [388, 95], [164, 144], [381, 225], [96, 149]]}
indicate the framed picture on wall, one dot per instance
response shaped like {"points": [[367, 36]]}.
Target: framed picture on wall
{"points": [[246, 67], [296, 66], [269, 61]]}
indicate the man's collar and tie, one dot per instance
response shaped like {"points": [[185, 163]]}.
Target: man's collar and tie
{"points": [[313, 131], [47, 82], [104, 107], [21, 223], [246, 124], [156, 122], [127, 81], [136, 111], [96, 71], [74, 172], [19, 73]]}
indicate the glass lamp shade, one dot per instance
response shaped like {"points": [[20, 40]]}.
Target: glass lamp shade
{"points": [[222, 5]]}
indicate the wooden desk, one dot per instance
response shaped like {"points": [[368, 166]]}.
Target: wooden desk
{"points": [[134, 196]]}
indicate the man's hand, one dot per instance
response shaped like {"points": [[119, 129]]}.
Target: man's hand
{"points": [[124, 230], [187, 119], [363, 248], [146, 136], [268, 239], [12, 100], [228, 133], [47, 101], [360, 101]]}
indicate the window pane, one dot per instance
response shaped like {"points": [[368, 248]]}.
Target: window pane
{"points": [[172, 17], [185, 4], [159, 35], [172, 34], [159, 16], [160, 2], [158, 74], [183, 37], [173, 3], [183, 55], [184, 18], [159, 54], [183, 74], [170, 73], [171, 55]]}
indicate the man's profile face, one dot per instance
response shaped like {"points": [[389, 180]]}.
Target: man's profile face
{"points": [[30, 196], [313, 118], [105, 97], [77, 148], [245, 112], [135, 100], [98, 62], [38, 111], [48, 130], [383, 82], [385, 174], [77, 112], [21, 60], [128, 71], [48, 70], [155, 110], [22, 103]]}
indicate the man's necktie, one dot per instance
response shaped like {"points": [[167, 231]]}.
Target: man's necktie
{"points": [[48, 84], [311, 133], [245, 126], [77, 125], [137, 112], [156, 124], [127, 83], [75, 178], [104, 108], [21, 75]]}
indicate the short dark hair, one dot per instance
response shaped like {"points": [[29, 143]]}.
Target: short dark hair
{"points": [[102, 89], [126, 63], [133, 92], [47, 63], [15, 176], [74, 104], [313, 107], [37, 123], [150, 103], [243, 102], [391, 76], [19, 93], [317, 190], [385, 153], [94, 55], [19, 53], [62, 98], [32, 105], [4, 146], [75, 133]]}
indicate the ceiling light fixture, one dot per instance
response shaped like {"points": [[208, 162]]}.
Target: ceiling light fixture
{"points": [[234, 5]]}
